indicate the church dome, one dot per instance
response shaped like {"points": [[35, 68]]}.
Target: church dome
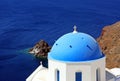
{"points": [[75, 47]]}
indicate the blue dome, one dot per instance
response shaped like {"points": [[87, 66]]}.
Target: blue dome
{"points": [[75, 47]]}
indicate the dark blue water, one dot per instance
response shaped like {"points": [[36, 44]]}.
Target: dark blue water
{"points": [[25, 22]]}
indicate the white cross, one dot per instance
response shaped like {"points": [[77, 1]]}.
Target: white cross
{"points": [[75, 29]]}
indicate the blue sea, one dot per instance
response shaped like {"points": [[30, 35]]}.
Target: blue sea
{"points": [[25, 22]]}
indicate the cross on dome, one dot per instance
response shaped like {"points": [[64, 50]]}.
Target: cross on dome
{"points": [[75, 29]]}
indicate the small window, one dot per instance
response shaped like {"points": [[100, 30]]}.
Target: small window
{"points": [[57, 75], [78, 76], [98, 75], [89, 47], [70, 46]]}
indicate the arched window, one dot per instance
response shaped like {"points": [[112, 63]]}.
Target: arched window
{"points": [[57, 75], [78, 76], [98, 74]]}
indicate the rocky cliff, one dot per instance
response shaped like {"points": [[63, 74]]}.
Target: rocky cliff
{"points": [[41, 49], [109, 42]]}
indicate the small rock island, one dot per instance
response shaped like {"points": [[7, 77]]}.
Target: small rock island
{"points": [[40, 50], [109, 42]]}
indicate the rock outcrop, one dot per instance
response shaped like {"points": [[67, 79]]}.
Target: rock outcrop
{"points": [[41, 49], [109, 42]]}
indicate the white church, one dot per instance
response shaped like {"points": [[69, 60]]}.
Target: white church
{"points": [[75, 57]]}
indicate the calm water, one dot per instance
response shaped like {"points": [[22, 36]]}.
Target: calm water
{"points": [[25, 22]]}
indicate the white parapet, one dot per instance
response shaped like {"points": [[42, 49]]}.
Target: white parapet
{"points": [[40, 74], [113, 74], [116, 73]]}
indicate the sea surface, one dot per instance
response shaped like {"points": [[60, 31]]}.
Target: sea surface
{"points": [[25, 22]]}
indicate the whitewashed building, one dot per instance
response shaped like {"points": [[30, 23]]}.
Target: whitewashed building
{"points": [[74, 57]]}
